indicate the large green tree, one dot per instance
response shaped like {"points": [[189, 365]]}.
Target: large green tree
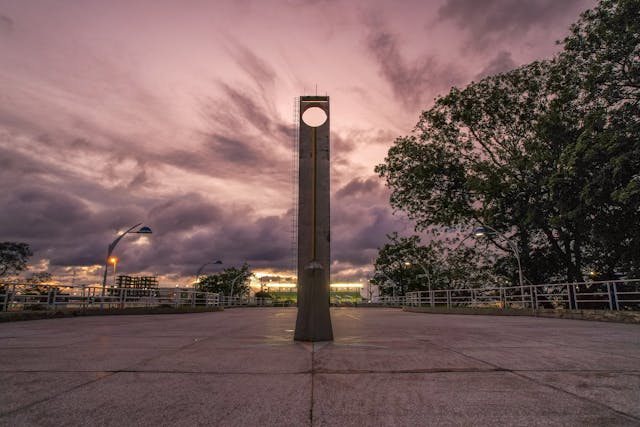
{"points": [[408, 266], [601, 58], [547, 154], [223, 282]]}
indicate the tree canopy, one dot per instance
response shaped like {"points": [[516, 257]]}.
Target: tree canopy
{"points": [[408, 266], [548, 154], [13, 257], [223, 282]]}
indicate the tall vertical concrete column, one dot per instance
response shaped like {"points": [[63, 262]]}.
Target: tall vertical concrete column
{"points": [[314, 251]]}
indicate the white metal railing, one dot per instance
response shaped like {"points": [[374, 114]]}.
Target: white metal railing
{"points": [[19, 296], [607, 295]]}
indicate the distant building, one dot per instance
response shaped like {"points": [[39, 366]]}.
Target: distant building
{"points": [[137, 282], [340, 293], [282, 292], [140, 285], [345, 293]]}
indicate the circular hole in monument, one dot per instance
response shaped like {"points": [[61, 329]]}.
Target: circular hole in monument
{"points": [[314, 116]]}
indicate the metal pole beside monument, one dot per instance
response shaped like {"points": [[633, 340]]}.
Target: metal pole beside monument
{"points": [[314, 249]]}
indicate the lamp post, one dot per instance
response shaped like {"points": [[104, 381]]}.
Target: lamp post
{"points": [[113, 260], [395, 285], [426, 274], [202, 268], [112, 246], [482, 231], [233, 282]]}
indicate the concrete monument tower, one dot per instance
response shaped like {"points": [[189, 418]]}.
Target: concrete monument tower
{"points": [[314, 250]]}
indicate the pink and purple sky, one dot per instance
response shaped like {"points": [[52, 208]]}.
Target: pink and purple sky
{"points": [[178, 114]]}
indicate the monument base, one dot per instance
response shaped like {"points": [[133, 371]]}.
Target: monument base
{"points": [[314, 320]]}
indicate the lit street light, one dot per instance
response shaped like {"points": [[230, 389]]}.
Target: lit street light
{"points": [[113, 260], [112, 246]]}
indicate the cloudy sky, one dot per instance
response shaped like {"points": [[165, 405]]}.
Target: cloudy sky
{"points": [[178, 114]]}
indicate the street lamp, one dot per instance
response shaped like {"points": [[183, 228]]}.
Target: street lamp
{"points": [[389, 279], [233, 282], [113, 260], [202, 268], [112, 246], [426, 274], [490, 231]]}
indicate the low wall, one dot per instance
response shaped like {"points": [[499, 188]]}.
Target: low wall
{"points": [[10, 316], [600, 315]]}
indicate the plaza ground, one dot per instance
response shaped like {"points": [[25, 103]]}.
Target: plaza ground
{"points": [[385, 367]]}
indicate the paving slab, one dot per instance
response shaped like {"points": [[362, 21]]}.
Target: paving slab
{"points": [[161, 399], [385, 367], [477, 399]]}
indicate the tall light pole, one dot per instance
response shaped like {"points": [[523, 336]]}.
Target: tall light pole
{"points": [[482, 231], [112, 246], [415, 259], [395, 285], [233, 283], [202, 268], [113, 260]]}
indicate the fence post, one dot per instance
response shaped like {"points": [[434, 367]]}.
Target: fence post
{"points": [[571, 296], [615, 295], [177, 302], [610, 295], [531, 290], [53, 294], [535, 298], [448, 298], [13, 294], [6, 299]]}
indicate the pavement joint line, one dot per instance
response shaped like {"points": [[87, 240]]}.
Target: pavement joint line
{"points": [[313, 366], [595, 350], [577, 396], [168, 352], [45, 399], [558, 389], [332, 372]]}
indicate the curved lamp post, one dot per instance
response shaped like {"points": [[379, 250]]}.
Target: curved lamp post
{"points": [[233, 282], [202, 268], [395, 285], [482, 231], [112, 246], [426, 274]]}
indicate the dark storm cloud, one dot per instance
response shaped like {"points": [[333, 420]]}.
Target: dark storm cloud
{"points": [[184, 212], [235, 150], [500, 63], [359, 186], [232, 236], [361, 219], [244, 130], [412, 82], [254, 66], [6, 25], [491, 20]]}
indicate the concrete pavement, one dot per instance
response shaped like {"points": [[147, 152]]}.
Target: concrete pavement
{"points": [[385, 367]]}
